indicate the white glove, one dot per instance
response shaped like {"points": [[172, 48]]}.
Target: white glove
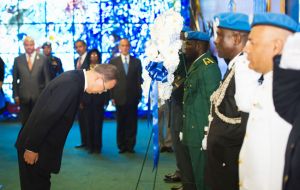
{"points": [[291, 53], [180, 136]]}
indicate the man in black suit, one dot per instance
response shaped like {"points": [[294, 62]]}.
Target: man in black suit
{"points": [[81, 63], [286, 96], [30, 76], [40, 142], [126, 96]]}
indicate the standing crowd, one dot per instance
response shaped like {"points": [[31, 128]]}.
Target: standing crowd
{"points": [[239, 132]]}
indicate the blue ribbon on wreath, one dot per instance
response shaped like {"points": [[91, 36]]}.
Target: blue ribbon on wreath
{"points": [[157, 72]]}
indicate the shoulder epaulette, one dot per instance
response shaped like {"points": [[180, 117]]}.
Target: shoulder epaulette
{"points": [[207, 61]]}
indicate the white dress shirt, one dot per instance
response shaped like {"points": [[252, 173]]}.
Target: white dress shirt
{"points": [[32, 57], [123, 58]]}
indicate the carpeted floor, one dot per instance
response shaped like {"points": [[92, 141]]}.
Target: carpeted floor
{"points": [[83, 171]]}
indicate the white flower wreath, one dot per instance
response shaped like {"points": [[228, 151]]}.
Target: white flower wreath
{"points": [[163, 47]]}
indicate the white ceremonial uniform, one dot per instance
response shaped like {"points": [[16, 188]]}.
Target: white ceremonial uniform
{"points": [[261, 159]]}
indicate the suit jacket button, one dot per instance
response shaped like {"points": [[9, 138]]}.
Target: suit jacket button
{"points": [[292, 145], [240, 184], [285, 178]]}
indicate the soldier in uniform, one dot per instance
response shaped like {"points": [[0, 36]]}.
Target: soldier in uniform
{"points": [[202, 80], [183, 160], [55, 65], [262, 154], [226, 129]]}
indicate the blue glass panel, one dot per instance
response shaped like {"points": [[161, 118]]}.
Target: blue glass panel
{"points": [[31, 11], [9, 12], [111, 34], [86, 11], [9, 38], [61, 37], [59, 11], [90, 33], [114, 13], [139, 12], [105, 57]]}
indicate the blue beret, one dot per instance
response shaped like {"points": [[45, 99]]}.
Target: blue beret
{"points": [[275, 19], [186, 29], [233, 21], [193, 35]]}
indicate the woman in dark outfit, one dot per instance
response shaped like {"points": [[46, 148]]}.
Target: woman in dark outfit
{"points": [[93, 109]]}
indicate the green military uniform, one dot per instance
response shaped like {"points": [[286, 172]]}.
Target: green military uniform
{"points": [[202, 80], [183, 160]]}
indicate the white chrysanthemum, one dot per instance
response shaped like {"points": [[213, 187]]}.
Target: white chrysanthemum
{"points": [[163, 47]]}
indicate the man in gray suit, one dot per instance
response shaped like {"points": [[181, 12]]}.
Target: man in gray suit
{"points": [[30, 76], [126, 96]]}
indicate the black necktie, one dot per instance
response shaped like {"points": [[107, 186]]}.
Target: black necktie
{"points": [[261, 80]]}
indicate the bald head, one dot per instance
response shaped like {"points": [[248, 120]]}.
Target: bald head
{"points": [[124, 46], [263, 44]]}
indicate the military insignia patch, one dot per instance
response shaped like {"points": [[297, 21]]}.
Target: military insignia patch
{"points": [[207, 61]]}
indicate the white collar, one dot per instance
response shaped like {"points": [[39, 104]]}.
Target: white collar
{"points": [[32, 57], [83, 57], [85, 80], [125, 56], [232, 62]]}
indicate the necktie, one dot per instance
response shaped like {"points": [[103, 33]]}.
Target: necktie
{"points": [[126, 65], [29, 63], [79, 62], [261, 80]]}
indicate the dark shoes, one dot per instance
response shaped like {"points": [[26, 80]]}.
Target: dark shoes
{"points": [[94, 151], [121, 151], [172, 178], [124, 150], [166, 149], [180, 187], [80, 146]]}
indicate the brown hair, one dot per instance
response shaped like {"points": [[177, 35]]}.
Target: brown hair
{"points": [[109, 71]]}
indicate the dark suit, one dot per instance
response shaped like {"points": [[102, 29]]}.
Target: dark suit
{"points": [[224, 143], [286, 95], [127, 94], [81, 119], [47, 128], [93, 114], [27, 85]]}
